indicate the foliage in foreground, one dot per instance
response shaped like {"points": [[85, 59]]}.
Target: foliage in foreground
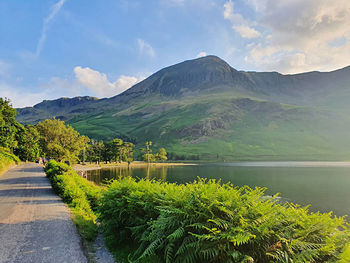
{"points": [[7, 159], [206, 221], [81, 195]]}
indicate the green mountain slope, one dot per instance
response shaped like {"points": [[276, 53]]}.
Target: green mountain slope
{"points": [[205, 108]]}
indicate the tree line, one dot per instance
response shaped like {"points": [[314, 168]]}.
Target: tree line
{"points": [[118, 150], [53, 138]]}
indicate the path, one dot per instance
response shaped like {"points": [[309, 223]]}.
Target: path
{"points": [[35, 225]]}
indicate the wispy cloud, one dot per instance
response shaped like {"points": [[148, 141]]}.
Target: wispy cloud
{"points": [[55, 9], [239, 24], [145, 48]]}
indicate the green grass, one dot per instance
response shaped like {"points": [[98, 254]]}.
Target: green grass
{"points": [[6, 160], [81, 195], [254, 129]]}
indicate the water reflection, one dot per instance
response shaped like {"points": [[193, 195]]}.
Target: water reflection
{"points": [[104, 175], [325, 187]]}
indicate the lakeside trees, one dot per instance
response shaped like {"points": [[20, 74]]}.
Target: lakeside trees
{"points": [[53, 138], [119, 151], [160, 155], [115, 150]]}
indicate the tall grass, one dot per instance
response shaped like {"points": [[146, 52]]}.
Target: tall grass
{"points": [[81, 195], [207, 221], [6, 160]]}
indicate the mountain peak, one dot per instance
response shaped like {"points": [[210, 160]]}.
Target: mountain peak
{"points": [[188, 76], [64, 101], [210, 62]]}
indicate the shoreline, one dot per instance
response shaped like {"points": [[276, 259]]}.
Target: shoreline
{"points": [[89, 167]]}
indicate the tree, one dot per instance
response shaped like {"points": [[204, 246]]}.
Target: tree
{"points": [[94, 151], [107, 152], [28, 143], [128, 152], [9, 127], [60, 141], [161, 155], [148, 152], [148, 157], [117, 149]]}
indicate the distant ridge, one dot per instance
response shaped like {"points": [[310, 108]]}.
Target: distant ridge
{"points": [[204, 106]]}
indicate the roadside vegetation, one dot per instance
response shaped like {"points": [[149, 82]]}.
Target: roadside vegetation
{"points": [[205, 221], [82, 196], [6, 160]]}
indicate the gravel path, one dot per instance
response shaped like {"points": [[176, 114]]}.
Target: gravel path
{"points": [[35, 225]]}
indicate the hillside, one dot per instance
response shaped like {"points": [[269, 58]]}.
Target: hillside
{"points": [[205, 108]]}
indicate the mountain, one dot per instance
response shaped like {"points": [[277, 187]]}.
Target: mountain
{"points": [[207, 109]]}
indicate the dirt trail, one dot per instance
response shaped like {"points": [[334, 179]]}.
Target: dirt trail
{"points": [[35, 225]]}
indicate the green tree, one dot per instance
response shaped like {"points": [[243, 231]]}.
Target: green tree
{"points": [[128, 149], [28, 143], [94, 151], [161, 155], [117, 149], [60, 141], [107, 152], [9, 127], [148, 156]]}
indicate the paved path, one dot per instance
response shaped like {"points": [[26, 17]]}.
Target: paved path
{"points": [[35, 226]]}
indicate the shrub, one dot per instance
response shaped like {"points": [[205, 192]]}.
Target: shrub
{"points": [[81, 195], [206, 221], [7, 159]]}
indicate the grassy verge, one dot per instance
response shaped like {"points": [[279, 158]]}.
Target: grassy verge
{"points": [[6, 160], [206, 221], [81, 196]]}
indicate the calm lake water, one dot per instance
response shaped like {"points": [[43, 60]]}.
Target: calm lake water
{"points": [[323, 185]]}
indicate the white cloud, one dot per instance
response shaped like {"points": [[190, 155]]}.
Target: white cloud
{"points": [[100, 85], [21, 98], [239, 24], [246, 31], [55, 9], [301, 35], [55, 87], [201, 54], [145, 48]]}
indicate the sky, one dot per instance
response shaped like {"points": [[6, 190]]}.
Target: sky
{"points": [[66, 48]]}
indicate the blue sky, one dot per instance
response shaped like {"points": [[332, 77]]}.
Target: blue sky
{"points": [[55, 48]]}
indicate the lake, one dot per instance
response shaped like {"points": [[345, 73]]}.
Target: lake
{"points": [[323, 185]]}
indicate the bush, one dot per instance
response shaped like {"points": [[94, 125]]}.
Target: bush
{"points": [[7, 159], [81, 195], [206, 221]]}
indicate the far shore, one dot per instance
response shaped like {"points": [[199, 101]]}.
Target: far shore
{"points": [[137, 164]]}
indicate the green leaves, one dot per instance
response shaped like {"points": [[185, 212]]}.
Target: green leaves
{"points": [[206, 221], [9, 127], [81, 195], [60, 141]]}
